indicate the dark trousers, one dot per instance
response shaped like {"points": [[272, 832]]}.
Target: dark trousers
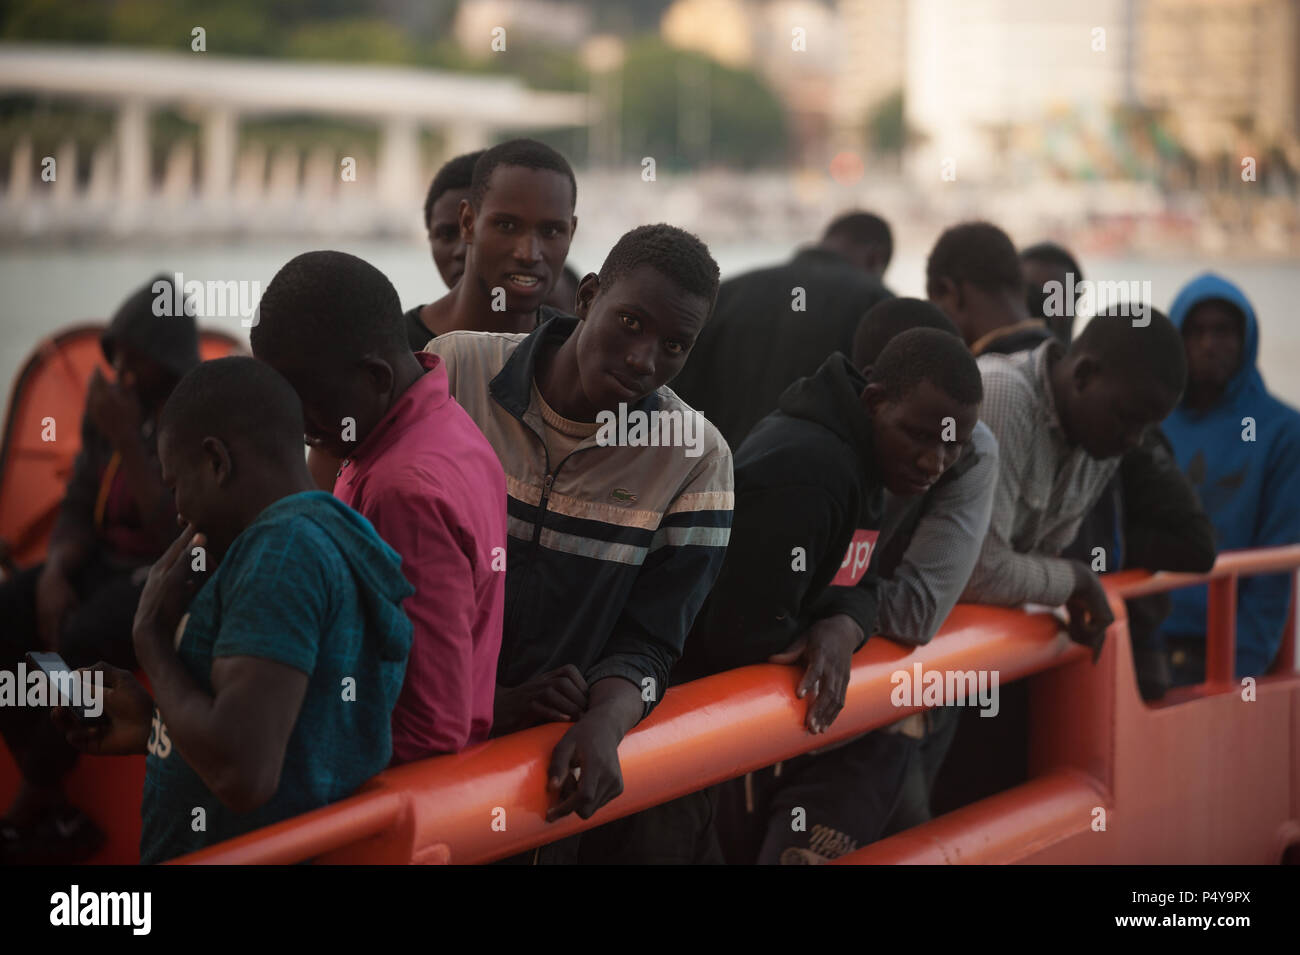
{"points": [[98, 628], [820, 806]]}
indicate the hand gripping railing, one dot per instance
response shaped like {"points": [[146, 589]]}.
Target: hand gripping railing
{"points": [[490, 801], [1209, 774]]}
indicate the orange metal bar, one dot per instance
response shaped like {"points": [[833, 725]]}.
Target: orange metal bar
{"points": [[1119, 782], [490, 801], [310, 834], [1238, 563], [1045, 810], [702, 733]]}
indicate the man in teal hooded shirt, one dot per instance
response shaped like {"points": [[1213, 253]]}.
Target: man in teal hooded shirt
{"points": [[1240, 446], [273, 687]]}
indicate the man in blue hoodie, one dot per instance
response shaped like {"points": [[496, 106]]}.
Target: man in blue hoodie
{"points": [[273, 688], [1240, 447]]}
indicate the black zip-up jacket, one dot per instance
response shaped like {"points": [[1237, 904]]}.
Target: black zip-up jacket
{"points": [[756, 344], [807, 488], [613, 548]]}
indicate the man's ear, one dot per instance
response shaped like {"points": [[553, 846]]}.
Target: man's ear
{"points": [[380, 373], [216, 457], [877, 260], [943, 289], [873, 396], [573, 228], [1086, 369], [587, 289], [465, 212]]}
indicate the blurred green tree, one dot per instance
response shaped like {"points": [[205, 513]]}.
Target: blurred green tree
{"points": [[663, 89]]}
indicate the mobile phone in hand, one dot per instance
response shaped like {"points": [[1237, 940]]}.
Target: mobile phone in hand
{"points": [[54, 666]]}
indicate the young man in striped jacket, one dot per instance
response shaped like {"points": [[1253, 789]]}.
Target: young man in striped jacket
{"points": [[619, 497]]}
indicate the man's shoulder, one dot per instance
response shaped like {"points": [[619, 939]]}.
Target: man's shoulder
{"points": [[819, 269], [786, 450], [294, 537], [445, 480], [1284, 427], [485, 346], [1007, 376], [984, 442], [1288, 418], [713, 445]]}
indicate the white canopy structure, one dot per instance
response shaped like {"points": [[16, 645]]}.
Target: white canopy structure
{"points": [[401, 101]]}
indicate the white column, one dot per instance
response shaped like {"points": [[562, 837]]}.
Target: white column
{"points": [[64, 187], [102, 174], [220, 136], [178, 175], [132, 152], [20, 170], [399, 163]]}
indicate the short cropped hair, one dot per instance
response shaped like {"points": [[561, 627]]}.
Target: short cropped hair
{"points": [[235, 399], [528, 153], [330, 305], [976, 252], [1139, 353], [928, 354], [892, 317], [455, 173], [862, 228], [675, 253], [1053, 254]]}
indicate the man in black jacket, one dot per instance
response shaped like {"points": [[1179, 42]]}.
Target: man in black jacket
{"points": [[116, 519], [773, 326], [797, 583]]}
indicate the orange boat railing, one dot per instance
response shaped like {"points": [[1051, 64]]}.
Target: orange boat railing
{"points": [[1150, 776]]}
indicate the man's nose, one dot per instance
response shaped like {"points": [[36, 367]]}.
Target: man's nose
{"points": [[933, 460], [641, 360], [527, 248]]}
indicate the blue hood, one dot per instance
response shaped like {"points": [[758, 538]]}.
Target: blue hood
{"points": [[1243, 457], [1210, 287], [375, 566]]}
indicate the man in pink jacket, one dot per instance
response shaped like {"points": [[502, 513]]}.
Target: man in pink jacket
{"points": [[416, 466]]}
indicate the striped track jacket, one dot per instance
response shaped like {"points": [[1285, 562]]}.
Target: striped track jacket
{"points": [[612, 550]]}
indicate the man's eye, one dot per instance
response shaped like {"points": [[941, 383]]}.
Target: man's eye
{"points": [[506, 226], [675, 348], [550, 232], [631, 323]]}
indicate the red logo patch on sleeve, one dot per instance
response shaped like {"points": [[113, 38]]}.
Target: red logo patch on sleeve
{"points": [[856, 559]]}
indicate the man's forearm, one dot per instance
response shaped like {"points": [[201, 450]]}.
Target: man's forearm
{"points": [[616, 701], [188, 711], [1005, 578]]}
